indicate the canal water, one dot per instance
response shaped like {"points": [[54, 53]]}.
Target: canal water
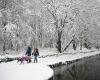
{"points": [[85, 69]]}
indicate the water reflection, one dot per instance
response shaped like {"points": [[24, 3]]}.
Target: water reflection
{"points": [[83, 70]]}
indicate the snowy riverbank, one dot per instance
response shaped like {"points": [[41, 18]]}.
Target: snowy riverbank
{"points": [[39, 71]]}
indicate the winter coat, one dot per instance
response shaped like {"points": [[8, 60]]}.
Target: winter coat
{"points": [[35, 53], [28, 52]]}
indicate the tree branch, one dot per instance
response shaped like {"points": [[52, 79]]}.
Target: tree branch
{"points": [[53, 13]]}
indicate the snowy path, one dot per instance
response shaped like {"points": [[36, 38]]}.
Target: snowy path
{"points": [[39, 71], [56, 58], [48, 57]]}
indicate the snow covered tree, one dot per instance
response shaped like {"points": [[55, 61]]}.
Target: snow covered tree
{"points": [[60, 18]]}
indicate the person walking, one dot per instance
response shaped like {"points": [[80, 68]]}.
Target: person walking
{"points": [[36, 54], [28, 52]]}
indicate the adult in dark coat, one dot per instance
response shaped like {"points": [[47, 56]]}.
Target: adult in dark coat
{"points": [[28, 52]]}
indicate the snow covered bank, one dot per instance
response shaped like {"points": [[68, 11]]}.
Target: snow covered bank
{"points": [[40, 71], [62, 57], [25, 72], [49, 57]]}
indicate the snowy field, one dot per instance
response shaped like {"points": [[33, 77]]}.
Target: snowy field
{"points": [[25, 72], [39, 71]]}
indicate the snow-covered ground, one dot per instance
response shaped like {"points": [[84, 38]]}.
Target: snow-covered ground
{"points": [[40, 71], [25, 72], [67, 56]]}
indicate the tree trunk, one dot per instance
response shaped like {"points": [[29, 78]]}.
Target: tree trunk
{"points": [[4, 47], [59, 42], [68, 45], [74, 46], [81, 45]]}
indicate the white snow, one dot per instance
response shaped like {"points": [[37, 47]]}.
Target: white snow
{"points": [[40, 71], [25, 72], [47, 51], [68, 56], [10, 27]]}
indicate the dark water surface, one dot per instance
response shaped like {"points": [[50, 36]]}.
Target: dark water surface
{"points": [[86, 69]]}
